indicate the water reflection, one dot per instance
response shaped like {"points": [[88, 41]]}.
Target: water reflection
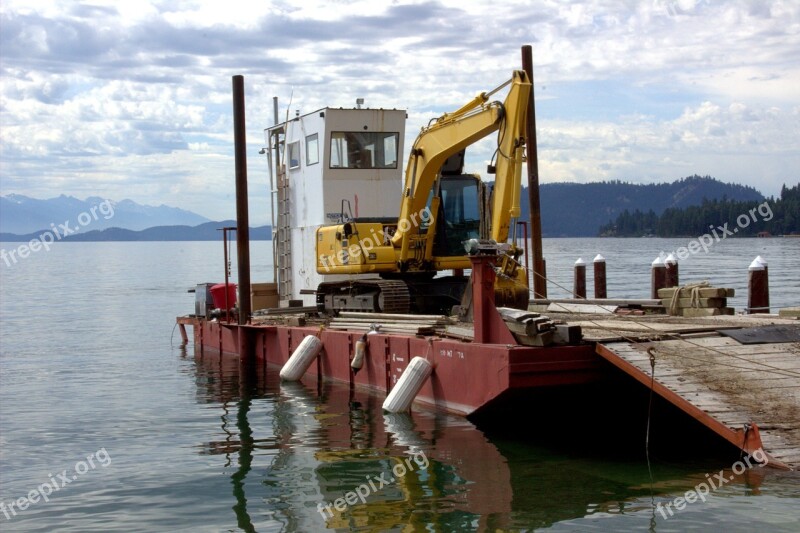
{"points": [[292, 451]]}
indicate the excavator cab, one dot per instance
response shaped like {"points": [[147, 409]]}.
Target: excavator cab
{"points": [[459, 217]]}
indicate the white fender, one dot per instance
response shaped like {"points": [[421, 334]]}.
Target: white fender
{"points": [[301, 358], [358, 357], [408, 386]]}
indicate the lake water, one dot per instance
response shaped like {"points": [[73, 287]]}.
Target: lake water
{"points": [[122, 430]]}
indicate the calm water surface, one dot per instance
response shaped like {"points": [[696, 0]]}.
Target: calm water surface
{"points": [[90, 366]]}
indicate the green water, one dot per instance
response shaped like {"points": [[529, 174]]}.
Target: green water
{"points": [[90, 366]]}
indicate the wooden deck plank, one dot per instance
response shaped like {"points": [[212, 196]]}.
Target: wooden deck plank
{"points": [[724, 385]]}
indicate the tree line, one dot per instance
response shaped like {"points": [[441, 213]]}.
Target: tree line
{"points": [[775, 216]]}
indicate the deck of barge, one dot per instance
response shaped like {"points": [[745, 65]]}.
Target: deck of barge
{"points": [[749, 394]]}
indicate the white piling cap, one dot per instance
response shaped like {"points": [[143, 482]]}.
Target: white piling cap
{"points": [[756, 265], [761, 260], [599, 259], [671, 259], [657, 262], [580, 262]]}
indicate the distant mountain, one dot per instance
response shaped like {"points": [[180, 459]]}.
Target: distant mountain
{"points": [[22, 214], [203, 232], [568, 210], [580, 209]]}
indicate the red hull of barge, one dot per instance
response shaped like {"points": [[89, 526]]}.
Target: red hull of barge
{"points": [[467, 377]]}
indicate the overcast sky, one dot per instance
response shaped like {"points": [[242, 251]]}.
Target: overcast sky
{"points": [[133, 99]]}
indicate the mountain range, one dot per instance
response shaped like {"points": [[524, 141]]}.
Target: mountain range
{"points": [[580, 209], [568, 210], [210, 231], [21, 214]]}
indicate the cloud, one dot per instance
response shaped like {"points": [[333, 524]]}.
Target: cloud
{"points": [[118, 96]]}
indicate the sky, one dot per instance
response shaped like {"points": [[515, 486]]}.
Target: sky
{"points": [[133, 99]]}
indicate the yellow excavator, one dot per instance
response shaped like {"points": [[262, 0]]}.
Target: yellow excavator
{"points": [[445, 215]]}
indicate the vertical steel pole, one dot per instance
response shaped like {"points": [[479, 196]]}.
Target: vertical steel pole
{"points": [[672, 277], [242, 215], [524, 225], [539, 279], [482, 279], [600, 277], [579, 279], [227, 274], [273, 193], [758, 287], [658, 277]]}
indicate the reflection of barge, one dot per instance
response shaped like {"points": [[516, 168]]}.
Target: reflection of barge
{"points": [[318, 442]]}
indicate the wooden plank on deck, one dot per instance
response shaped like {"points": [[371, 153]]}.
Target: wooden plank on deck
{"points": [[724, 385]]}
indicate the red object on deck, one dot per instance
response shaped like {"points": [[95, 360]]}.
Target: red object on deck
{"points": [[218, 295], [488, 325]]}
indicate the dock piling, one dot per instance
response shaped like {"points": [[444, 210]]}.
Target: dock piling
{"points": [[579, 283], [539, 276], [758, 287], [600, 277], [672, 279], [658, 276]]}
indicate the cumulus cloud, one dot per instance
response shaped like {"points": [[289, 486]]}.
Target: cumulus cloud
{"points": [[133, 99]]}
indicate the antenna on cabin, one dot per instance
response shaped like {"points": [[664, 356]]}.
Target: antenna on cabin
{"points": [[359, 102]]}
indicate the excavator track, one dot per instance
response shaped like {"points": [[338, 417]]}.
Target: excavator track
{"points": [[394, 296], [369, 295]]}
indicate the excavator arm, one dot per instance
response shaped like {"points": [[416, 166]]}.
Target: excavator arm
{"points": [[452, 133]]}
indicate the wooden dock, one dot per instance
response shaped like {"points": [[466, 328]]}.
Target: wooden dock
{"points": [[749, 394]]}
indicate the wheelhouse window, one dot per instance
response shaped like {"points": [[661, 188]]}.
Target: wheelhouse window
{"points": [[312, 150], [364, 149], [294, 155]]}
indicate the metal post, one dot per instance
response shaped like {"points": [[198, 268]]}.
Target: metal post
{"points": [[227, 269], [579, 279], [539, 277], [658, 277], [242, 215], [758, 287], [483, 277], [527, 257], [672, 279], [273, 195], [600, 277]]}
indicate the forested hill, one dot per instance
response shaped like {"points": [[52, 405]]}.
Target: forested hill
{"points": [[580, 209], [776, 216]]}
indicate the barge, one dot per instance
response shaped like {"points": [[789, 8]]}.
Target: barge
{"points": [[341, 250]]}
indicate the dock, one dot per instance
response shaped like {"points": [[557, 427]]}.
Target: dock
{"points": [[747, 393]]}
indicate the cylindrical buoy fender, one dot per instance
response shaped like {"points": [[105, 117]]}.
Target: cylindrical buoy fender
{"points": [[358, 356], [301, 358], [407, 387]]}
